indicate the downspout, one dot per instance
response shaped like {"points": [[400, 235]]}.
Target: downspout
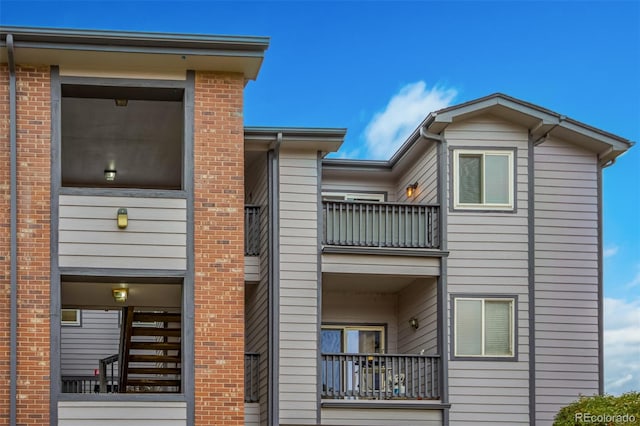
{"points": [[13, 363], [273, 394], [442, 279]]}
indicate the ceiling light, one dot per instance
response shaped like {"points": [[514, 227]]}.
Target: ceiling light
{"points": [[120, 294], [121, 102], [110, 175]]}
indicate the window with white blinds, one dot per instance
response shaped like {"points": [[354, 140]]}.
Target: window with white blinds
{"points": [[484, 327], [483, 179]]}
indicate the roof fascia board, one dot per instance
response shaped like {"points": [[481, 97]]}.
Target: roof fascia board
{"points": [[118, 39], [324, 139]]}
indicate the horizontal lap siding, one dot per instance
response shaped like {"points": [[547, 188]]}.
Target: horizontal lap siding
{"points": [[566, 242], [121, 413], [425, 172], [155, 237], [418, 300], [83, 346], [380, 264], [257, 304], [381, 417], [251, 414], [298, 288], [489, 255]]}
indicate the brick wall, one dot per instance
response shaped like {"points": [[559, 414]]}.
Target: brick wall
{"points": [[219, 249], [34, 208], [4, 245]]}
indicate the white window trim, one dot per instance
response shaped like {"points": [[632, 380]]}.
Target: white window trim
{"points": [[482, 206], [76, 323], [512, 303], [350, 196]]}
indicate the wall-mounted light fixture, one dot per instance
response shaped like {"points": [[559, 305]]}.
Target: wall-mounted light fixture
{"points": [[120, 294], [123, 218], [413, 322], [411, 189], [121, 102], [110, 175]]}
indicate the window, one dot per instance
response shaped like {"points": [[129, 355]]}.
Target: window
{"points": [[483, 179], [352, 339], [70, 317], [484, 327]]}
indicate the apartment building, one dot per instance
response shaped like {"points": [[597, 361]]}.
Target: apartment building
{"points": [[169, 265]]}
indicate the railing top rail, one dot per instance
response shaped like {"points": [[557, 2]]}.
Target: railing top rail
{"points": [[381, 355], [252, 354], [379, 203], [110, 359], [251, 206]]}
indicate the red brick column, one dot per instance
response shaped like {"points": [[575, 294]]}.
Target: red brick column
{"points": [[219, 249], [5, 235], [34, 267]]}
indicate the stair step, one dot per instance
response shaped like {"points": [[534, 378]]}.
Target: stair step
{"points": [[156, 346], [156, 317], [154, 331], [153, 358], [163, 370], [153, 382]]}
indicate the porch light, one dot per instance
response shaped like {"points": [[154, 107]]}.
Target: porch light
{"points": [[120, 294], [413, 322], [110, 175], [411, 189]]}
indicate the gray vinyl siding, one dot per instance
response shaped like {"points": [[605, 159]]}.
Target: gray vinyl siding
{"points": [[257, 303], [489, 255], [121, 413], [424, 171], [251, 414], [418, 300], [381, 416], [380, 264], [90, 238], [81, 347], [356, 184], [298, 342], [350, 307], [566, 275]]}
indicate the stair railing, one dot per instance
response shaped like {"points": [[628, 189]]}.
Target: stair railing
{"points": [[108, 381], [125, 344]]}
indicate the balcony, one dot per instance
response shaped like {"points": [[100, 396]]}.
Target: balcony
{"points": [[380, 376], [251, 230], [384, 225], [251, 377]]}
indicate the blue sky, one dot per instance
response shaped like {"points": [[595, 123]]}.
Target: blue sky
{"points": [[377, 68]]}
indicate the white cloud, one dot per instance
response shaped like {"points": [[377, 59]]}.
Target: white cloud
{"points": [[635, 281], [621, 345], [388, 129], [610, 251]]}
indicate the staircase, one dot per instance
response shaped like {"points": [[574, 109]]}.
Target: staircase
{"points": [[150, 358]]}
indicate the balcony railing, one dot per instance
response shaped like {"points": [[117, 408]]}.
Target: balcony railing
{"points": [[367, 224], [380, 376], [251, 377], [251, 230]]}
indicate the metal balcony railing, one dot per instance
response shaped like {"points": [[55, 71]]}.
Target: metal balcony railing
{"points": [[251, 230], [372, 224], [380, 376], [251, 377]]}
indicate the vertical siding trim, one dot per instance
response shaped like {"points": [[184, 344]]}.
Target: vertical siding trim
{"points": [[442, 281], [531, 246], [55, 346], [600, 288], [320, 233], [188, 302], [273, 389]]}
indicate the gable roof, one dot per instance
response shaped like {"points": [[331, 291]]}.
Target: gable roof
{"points": [[540, 121]]}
